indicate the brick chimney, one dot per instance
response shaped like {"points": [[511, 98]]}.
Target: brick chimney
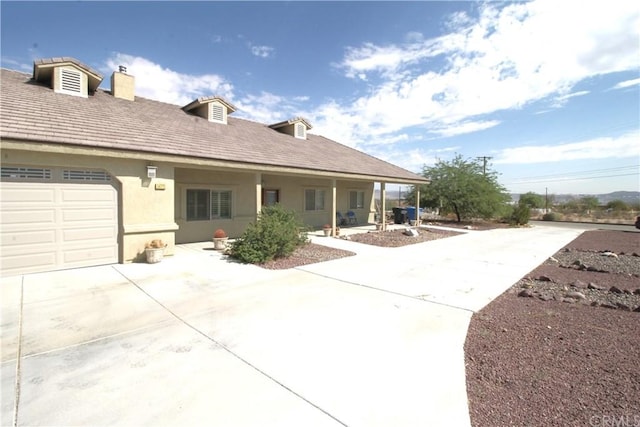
{"points": [[122, 84]]}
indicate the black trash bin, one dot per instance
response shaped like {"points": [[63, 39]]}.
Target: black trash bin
{"points": [[399, 215]]}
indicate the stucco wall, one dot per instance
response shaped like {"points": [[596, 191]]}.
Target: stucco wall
{"points": [[243, 208], [243, 185], [155, 208], [145, 209]]}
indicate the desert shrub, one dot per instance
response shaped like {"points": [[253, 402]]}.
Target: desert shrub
{"points": [[618, 205], [275, 234], [519, 215], [550, 216]]}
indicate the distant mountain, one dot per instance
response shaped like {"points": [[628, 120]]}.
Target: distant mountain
{"points": [[625, 196], [603, 199]]}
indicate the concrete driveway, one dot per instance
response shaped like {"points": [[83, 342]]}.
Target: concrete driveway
{"points": [[371, 340]]}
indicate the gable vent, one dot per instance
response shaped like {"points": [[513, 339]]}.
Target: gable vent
{"points": [[217, 113], [71, 81], [301, 131], [25, 173]]}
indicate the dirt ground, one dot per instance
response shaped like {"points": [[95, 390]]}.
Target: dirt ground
{"points": [[561, 347]]}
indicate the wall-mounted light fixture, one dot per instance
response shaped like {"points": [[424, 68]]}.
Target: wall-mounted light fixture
{"points": [[152, 171]]}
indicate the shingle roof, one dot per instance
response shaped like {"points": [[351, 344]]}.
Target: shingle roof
{"points": [[33, 112]]}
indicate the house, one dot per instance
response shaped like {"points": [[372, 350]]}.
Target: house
{"points": [[90, 175]]}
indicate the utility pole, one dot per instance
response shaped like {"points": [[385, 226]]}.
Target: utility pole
{"points": [[546, 200], [484, 163]]}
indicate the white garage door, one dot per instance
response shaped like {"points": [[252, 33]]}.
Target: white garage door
{"points": [[54, 218]]}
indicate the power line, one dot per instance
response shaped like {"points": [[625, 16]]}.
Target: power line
{"points": [[568, 179], [587, 172]]}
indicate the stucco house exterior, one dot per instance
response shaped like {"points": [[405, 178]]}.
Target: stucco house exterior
{"points": [[90, 175]]}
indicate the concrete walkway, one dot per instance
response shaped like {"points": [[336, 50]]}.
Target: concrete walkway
{"points": [[370, 340]]}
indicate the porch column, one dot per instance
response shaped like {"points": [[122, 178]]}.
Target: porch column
{"points": [[258, 194], [333, 207], [417, 206], [383, 205]]}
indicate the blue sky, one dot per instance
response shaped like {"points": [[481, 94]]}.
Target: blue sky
{"points": [[549, 90]]}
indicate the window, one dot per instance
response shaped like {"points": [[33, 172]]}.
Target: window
{"points": [[356, 199], [314, 200], [205, 205], [220, 204], [85, 175], [25, 173]]}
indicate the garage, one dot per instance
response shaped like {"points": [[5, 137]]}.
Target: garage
{"points": [[56, 218]]}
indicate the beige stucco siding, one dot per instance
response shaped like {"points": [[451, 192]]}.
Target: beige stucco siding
{"points": [[242, 187], [145, 206]]}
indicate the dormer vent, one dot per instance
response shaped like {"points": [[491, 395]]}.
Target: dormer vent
{"points": [[66, 75], [296, 127], [71, 81], [213, 108]]}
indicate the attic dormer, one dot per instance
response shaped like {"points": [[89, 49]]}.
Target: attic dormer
{"points": [[66, 75], [296, 127], [213, 108]]}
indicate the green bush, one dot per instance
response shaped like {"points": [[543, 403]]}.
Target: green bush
{"points": [[275, 234], [550, 216], [520, 215]]}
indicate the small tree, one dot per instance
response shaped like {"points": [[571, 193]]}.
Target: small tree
{"points": [[520, 215], [532, 200], [618, 205], [588, 203], [276, 234], [464, 187]]}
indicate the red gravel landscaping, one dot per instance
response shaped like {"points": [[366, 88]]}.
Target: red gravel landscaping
{"points": [[562, 351]]}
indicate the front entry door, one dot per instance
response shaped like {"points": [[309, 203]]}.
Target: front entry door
{"points": [[270, 197]]}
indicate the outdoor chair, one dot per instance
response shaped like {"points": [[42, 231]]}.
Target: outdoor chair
{"points": [[340, 220], [352, 218]]}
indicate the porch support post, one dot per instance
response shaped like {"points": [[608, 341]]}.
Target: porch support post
{"points": [[333, 208], [417, 206], [258, 194], [383, 205]]}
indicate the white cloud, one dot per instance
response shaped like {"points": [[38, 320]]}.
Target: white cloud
{"points": [[17, 64], [163, 84], [262, 51], [627, 83], [563, 99], [460, 128], [597, 148], [509, 56], [267, 107], [413, 159], [159, 83]]}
